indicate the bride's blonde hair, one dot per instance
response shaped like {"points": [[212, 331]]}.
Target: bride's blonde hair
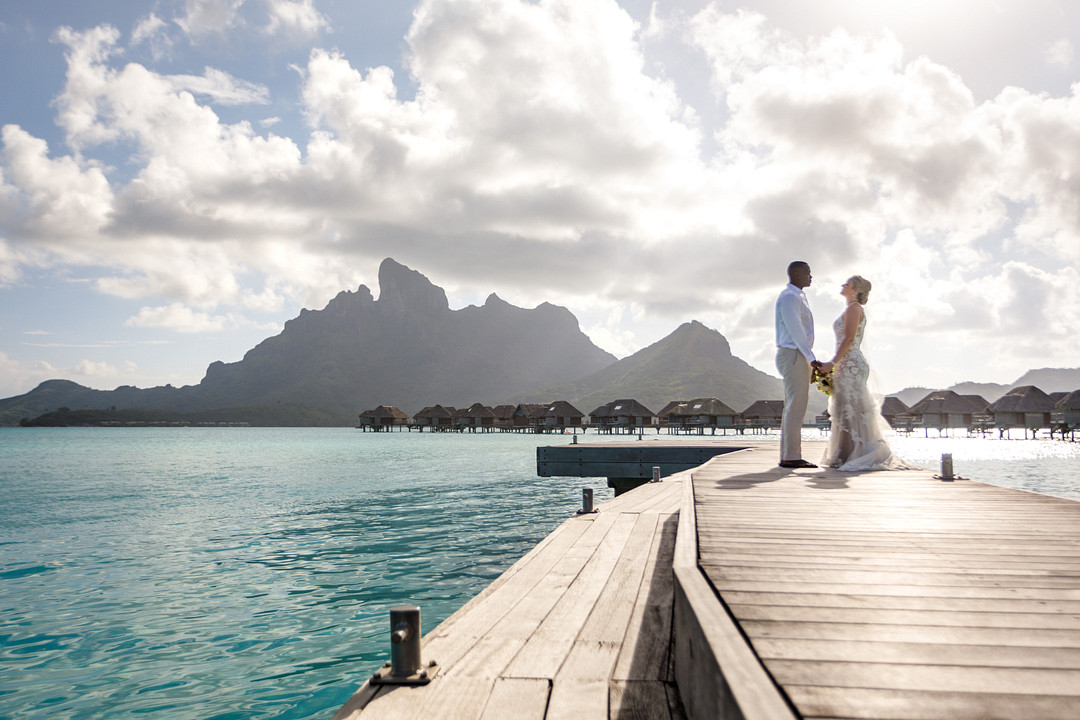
{"points": [[862, 288]]}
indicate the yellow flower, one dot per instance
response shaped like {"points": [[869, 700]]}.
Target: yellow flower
{"points": [[824, 382]]}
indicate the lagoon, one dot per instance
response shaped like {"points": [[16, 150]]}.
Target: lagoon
{"points": [[248, 572]]}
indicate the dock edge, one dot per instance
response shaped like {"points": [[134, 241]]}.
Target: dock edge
{"points": [[716, 671]]}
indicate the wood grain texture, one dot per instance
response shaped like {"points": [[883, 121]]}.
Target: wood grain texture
{"points": [[895, 595]]}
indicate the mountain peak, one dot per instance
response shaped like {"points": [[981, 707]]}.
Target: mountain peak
{"points": [[706, 338], [403, 289]]}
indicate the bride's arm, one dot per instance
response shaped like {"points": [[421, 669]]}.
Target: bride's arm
{"points": [[852, 318]]}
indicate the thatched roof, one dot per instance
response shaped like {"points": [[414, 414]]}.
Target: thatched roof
{"points": [[503, 412], [1024, 399], [675, 407], [622, 408], [765, 408], [708, 406], [530, 410], [893, 405], [388, 411], [561, 408], [479, 411], [435, 412], [947, 402], [1070, 402]]}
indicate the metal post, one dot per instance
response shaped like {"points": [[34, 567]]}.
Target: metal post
{"points": [[656, 473], [586, 500], [405, 667], [946, 467], [405, 640]]}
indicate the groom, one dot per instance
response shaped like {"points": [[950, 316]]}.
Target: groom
{"points": [[794, 358]]}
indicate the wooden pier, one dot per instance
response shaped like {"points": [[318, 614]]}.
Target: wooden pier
{"points": [[627, 465], [743, 590]]}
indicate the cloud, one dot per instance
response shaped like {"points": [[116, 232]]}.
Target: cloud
{"points": [[55, 199], [297, 19], [540, 145], [585, 142], [153, 31], [202, 17], [1060, 54], [17, 377], [221, 87], [90, 369], [179, 318]]}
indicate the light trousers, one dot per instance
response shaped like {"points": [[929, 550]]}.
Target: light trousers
{"points": [[795, 370]]}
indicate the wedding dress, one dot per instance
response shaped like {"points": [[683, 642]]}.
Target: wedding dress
{"points": [[857, 439]]}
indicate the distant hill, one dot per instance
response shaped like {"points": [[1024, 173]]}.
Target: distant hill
{"points": [[408, 349], [1048, 380], [694, 361]]}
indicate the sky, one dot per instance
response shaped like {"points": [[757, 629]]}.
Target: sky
{"points": [[179, 178]]}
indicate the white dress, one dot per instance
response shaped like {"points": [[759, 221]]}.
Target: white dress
{"points": [[857, 439]]}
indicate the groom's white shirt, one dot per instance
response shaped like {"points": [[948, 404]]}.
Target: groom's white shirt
{"points": [[794, 322]]}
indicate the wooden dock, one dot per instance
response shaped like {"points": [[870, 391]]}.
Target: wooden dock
{"points": [[773, 594]]}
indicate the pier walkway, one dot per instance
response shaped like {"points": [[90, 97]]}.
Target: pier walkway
{"points": [[773, 594]]}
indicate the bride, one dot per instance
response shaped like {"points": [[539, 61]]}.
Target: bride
{"points": [[857, 440]]}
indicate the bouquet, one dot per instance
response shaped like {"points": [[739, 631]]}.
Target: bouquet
{"points": [[824, 381]]}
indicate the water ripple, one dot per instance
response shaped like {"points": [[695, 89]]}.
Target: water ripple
{"points": [[242, 574]]}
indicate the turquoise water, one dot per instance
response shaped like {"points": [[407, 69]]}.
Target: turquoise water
{"points": [[243, 573], [248, 573]]}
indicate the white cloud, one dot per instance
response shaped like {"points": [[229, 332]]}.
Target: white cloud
{"points": [[179, 318], [91, 369], [18, 377], [1060, 54], [202, 17], [295, 18], [153, 31], [538, 139], [221, 87], [55, 198]]}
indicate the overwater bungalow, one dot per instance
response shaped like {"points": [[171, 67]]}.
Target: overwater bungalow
{"points": [[763, 415], [383, 418], [476, 418], [669, 415], [696, 415], [527, 416], [943, 410], [1025, 407], [1066, 416], [504, 416], [627, 415], [436, 418], [892, 407], [560, 415]]}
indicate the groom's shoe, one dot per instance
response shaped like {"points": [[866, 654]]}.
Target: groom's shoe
{"points": [[796, 464]]}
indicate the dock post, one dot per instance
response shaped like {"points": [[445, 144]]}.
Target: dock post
{"points": [[404, 640], [586, 502], [946, 467], [656, 473], [405, 666]]}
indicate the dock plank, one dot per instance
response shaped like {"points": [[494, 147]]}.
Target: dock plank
{"points": [[896, 595], [549, 644], [829, 703]]}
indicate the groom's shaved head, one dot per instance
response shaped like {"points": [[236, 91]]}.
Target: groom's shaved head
{"points": [[798, 274]]}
